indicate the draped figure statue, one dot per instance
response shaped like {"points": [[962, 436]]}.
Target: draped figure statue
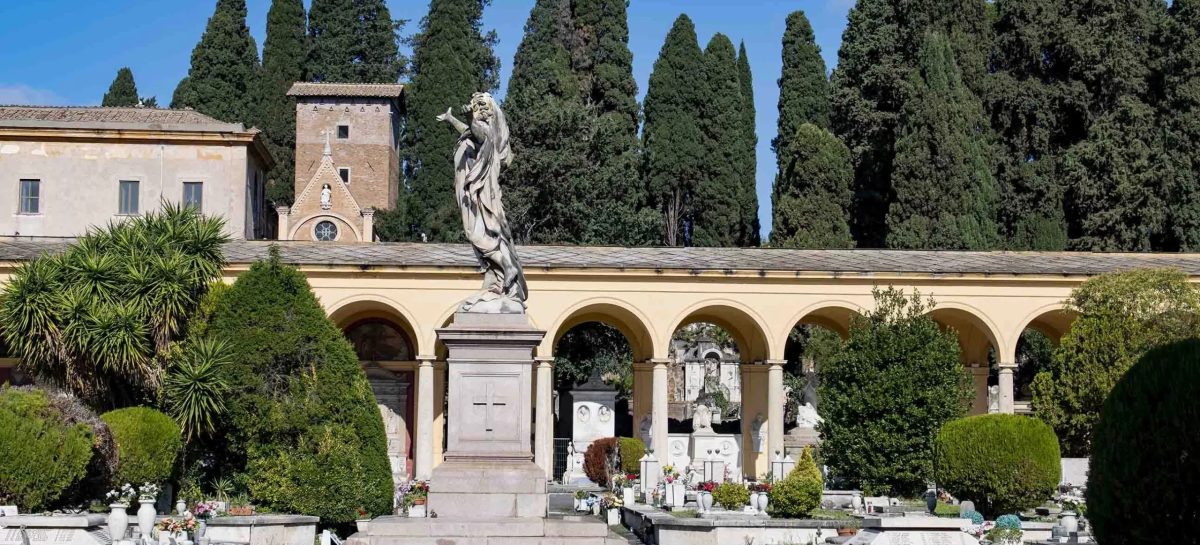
{"points": [[482, 150]]}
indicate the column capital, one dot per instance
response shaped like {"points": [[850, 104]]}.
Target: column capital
{"points": [[542, 361], [772, 363], [426, 360], [1007, 366], [660, 361]]}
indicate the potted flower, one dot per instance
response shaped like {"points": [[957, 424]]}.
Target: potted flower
{"points": [[611, 505], [362, 519], [704, 497], [118, 516], [147, 495], [175, 529], [581, 500], [418, 496], [627, 488], [203, 511], [759, 496]]}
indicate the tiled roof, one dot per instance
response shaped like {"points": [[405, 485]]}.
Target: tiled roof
{"points": [[686, 259], [90, 116], [383, 90]]}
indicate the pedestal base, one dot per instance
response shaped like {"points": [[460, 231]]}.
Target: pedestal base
{"points": [[479, 490], [505, 531]]}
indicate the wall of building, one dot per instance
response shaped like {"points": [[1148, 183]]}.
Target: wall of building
{"points": [[80, 180], [371, 151]]}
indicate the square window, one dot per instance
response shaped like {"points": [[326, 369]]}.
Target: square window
{"points": [[343, 132], [345, 174], [193, 195], [128, 205], [31, 197]]}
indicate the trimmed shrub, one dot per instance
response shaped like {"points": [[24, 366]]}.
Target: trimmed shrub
{"points": [[732, 496], [800, 492], [1143, 474], [1008, 522], [302, 431], [974, 516], [596, 461], [1003, 462], [632, 451], [148, 445], [44, 454]]}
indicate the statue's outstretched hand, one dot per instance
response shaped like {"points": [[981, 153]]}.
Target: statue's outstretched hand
{"points": [[449, 113]]}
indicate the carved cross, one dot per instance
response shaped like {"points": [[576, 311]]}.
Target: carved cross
{"points": [[486, 403]]}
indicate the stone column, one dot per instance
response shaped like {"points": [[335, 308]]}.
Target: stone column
{"points": [[979, 378], [775, 405], [368, 225], [424, 453], [1007, 393], [543, 433], [659, 407], [282, 212]]}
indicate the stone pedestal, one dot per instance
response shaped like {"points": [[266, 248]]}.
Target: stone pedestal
{"points": [[489, 471]]}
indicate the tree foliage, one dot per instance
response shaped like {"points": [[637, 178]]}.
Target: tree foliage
{"points": [[944, 193], [594, 348], [45, 453], [803, 84], [148, 445], [1141, 476], [751, 228], [811, 199], [99, 320], [123, 91], [1121, 316], [353, 41], [303, 432], [223, 77], [283, 57], [716, 208], [673, 142], [452, 59], [884, 395]]}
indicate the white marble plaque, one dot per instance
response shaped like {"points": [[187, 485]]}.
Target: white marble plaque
{"points": [[492, 408]]}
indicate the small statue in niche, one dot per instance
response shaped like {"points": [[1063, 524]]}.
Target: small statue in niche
{"points": [[326, 197]]}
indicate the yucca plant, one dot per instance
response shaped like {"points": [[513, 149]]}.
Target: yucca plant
{"points": [[195, 388], [100, 318]]}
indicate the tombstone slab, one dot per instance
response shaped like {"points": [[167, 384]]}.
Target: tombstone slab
{"points": [[488, 470], [922, 530]]}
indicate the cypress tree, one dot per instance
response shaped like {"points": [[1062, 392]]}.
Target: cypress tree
{"points": [[452, 58], [672, 140], [945, 195], [549, 127], [224, 72], [284, 52], [123, 91], [880, 47], [1180, 114], [811, 198], [615, 200], [717, 215], [353, 41], [751, 228], [803, 85]]}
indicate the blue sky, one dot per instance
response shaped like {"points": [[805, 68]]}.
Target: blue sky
{"points": [[68, 51]]}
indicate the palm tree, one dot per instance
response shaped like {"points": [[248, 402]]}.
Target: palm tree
{"points": [[101, 318]]}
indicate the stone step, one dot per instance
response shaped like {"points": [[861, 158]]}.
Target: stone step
{"points": [[383, 529], [614, 540]]}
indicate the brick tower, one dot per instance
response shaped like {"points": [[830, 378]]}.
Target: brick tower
{"points": [[347, 160]]}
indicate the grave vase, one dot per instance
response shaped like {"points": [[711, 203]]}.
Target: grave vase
{"points": [[705, 501], [627, 496], [145, 517], [763, 502], [675, 495], [612, 516], [1069, 522], [754, 501], [118, 521], [180, 507]]}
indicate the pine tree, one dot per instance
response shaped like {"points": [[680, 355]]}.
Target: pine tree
{"points": [[880, 47], [452, 58], [946, 197], [717, 215], [672, 141], [811, 197], [1180, 114], [123, 91], [602, 62], [353, 41], [223, 77], [751, 228], [284, 53], [549, 127]]}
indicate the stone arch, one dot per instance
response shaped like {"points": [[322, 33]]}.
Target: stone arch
{"points": [[1053, 320], [833, 315], [630, 321], [307, 222], [360, 309], [976, 331], [746, 327]]}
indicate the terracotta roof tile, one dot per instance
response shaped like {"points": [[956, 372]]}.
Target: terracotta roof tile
{"points": [[310, 89], [92, 115]]}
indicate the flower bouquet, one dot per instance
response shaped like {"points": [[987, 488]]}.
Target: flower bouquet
{"points": [[148, 492], [122, 496], [176, 529]]}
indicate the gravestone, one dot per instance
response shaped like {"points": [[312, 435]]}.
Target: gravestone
{"points": [[593, 410], [391, 395], [922, 530], [54, 530]]}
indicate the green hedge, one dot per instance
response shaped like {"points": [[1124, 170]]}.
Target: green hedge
{"points": [[1004, 463], [302, 432], [632, 451], [1144, 474], [799, 493], [41, 455], [148, 445]]}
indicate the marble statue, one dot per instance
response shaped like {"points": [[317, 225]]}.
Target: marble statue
{"points": [[807, 417], [326, 198], [702, 418], [993, 399], [758, 433], [482, 150], [645, 433]]}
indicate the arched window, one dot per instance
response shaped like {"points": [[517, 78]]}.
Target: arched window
{"points": [[379, 340]]}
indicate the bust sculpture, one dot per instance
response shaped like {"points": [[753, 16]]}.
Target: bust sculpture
{"points": [[481, 152]]}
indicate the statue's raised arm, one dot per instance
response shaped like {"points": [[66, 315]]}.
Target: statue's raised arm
{"points": [[480, 154]]}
